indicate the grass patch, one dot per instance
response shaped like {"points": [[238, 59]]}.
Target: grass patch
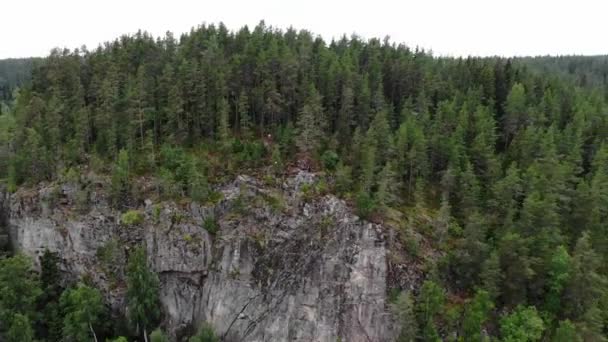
{"points": [[132, 217], [211, 225], [276, 202]]}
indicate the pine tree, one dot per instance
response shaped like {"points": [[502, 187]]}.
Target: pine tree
{"points": [[367, 165], [379, 134], [507, 194], [121, 185], [515, 112], [476, 314], [559, 274], [403, 308], [469, 192], [429, 303], [386, 194], [523, 324], [346, 119], [310, 123], [481, 150], [566, 332], [223, 129], [245, 123], [176, 127], [517, 269], [585, 284], [105, 116], [491, 275], [138, 103], [50, 281]]}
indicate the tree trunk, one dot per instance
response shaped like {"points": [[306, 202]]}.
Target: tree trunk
{"points": [[141, 127], [145, 335], [92, 332]]}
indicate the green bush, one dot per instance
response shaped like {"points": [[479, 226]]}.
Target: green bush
{"points": [[71, 175], [215, 197], [156, 211], [365, 204], [237, 146], [108, 253], [276, 202], [307, 192], [344, 181], [132, 217], [158, 336], [205, 334], [211, 226], [330, 160]]}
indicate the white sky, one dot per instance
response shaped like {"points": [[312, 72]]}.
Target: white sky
{"points": [[448, 27]]}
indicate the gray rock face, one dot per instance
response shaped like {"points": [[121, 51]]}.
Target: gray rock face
{"points": [[281, 267]]}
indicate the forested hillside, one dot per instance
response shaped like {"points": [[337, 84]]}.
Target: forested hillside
{"points": [[509, 156], [585, 71], [13, 74]]}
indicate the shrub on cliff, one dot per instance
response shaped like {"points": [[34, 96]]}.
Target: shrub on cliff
{"points": [[132, 217]]}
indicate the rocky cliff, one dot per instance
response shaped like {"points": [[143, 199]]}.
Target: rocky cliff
{"points": [[263, 263]]}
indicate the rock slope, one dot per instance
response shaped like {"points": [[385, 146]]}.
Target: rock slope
{"points": [[264, 263]]}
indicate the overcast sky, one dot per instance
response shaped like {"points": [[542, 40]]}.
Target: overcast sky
{"points": [[448, 27]]}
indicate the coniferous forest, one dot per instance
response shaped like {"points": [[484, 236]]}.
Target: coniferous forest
{"points": [[508, 156]]}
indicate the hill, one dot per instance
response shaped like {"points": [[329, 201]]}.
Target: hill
{"points": [[488, 176]]}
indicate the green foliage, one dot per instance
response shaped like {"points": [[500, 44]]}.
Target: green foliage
{"points": [[132, 217], [142, 292], [19, 287], [515, 263], [182, 174], [156, 211], [205, 334], [476, 314], [566, 332], [108, 253], [344, 180], [491, 275], [120, 339], [330, 160], [121, 185], [276, 160], [522, 325], [158, 336], [559, 274], [50, 281], [310, 122], [387, 187], [211, 225], [276, 202], [585, 284], [20, 329], [429, 304], [83, 307], [403, 309], [365, 204]]}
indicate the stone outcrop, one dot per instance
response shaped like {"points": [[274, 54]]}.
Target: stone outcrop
{"points": [[280, 267]]}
